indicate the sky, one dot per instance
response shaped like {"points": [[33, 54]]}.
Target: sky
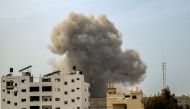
{"points": [[155, 28]]}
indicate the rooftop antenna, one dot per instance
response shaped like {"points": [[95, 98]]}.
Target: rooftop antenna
{"points": [[163, 70]]}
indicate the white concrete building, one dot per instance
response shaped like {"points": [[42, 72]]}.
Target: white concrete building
{"points": [[53, 91]]}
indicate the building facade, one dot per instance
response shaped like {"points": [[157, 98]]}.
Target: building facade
{"points": [[55, 90], [120, 100], [98, 103]]}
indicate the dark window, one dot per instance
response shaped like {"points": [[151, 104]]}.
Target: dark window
{"points": [[46, 88], [3, 80], [57, 99], [34, 98], [78, 98], [78, 88], [65, 102], [8, 92], [23, 108], [85, 99], [3, 99], [8, 102], [72, 80], [15, 94], [23, 90], [65, 83], [78, 107], [57, 108], [3, 90], [10, 85], [65, 92], [34, 89], [127, 96], [15, 84], [22, 81], [134, 97], [72, 90], [23, 100], [46, 79], [57, 80], [15, 104], [34, 107], [46, 98], [73, 100], [78, 78]]}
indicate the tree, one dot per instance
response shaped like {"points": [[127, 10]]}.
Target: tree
{"points": [[165, 100]]}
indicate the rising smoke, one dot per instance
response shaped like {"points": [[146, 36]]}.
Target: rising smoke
{"points": [[93, 44]]}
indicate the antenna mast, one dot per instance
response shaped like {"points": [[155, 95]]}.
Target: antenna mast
{"points": [[164, 71]]}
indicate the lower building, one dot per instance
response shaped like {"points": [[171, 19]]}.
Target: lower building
{"points": [[116, 99], [119, 100]]}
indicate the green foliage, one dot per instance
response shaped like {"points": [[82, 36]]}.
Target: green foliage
{"points": [[165, 100]]}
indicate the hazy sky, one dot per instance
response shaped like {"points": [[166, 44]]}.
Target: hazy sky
{"points": [[148, 26]]}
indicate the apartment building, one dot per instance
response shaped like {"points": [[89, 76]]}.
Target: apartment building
{"points": [[55, 90]]}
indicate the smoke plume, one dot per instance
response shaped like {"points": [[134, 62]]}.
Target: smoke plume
{"points": [[93, 44]]}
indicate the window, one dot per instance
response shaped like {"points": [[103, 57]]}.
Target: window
{"points": [[46, 88], [34, 98], [10, 85], [65, 102], [78, 78], [65, 92], [78, 88], [78, 107], [15, 93], [57, 80], [57, 108], [8, 102], [57, 89], [46, 98], [72, 100], [34, 89], [46, 79], [85, 99], [34, 107], [127, 96], [15, 104], [78, 98], [23, 90], [3, 80], [72, 80], [8, 92], [3, 90], [23, 100], [57, 99], [72, 90], [3, 99], [134, 97], [47, 107], [15, 84], [65, 83], [22, 81]]}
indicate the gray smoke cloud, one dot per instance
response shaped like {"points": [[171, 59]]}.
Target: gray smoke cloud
{"points": [[93, 44]]}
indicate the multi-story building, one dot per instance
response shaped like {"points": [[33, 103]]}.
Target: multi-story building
{"points": [[55, 90], [120, 100]]}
